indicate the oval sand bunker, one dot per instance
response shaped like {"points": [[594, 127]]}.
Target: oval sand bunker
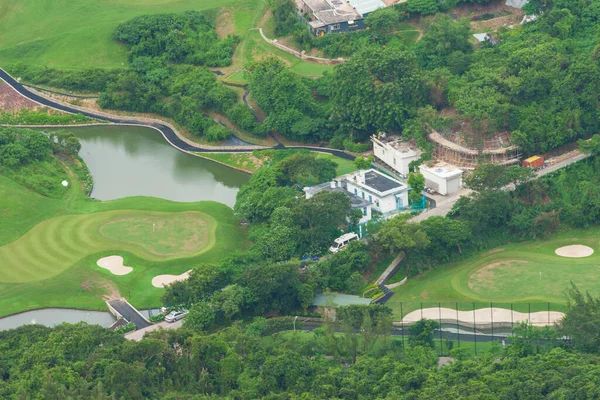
{"points": [[161, 281], [115, 265], [574, 251]]}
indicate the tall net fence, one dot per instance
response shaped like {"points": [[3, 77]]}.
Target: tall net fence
{"points": [[475, 326]]}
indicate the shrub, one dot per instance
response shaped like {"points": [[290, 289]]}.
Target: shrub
{"points": [[356, 147], [216, 133], [126, 328]]}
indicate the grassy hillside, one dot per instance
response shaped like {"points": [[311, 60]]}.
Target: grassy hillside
{"points": [[73, 34]]}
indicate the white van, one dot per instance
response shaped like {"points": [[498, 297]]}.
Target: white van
{"points": [[342, 242]]}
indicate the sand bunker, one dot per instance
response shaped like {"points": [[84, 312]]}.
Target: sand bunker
{"points": [[161, 281], [114, 264], [574, 251], [484, 316]]}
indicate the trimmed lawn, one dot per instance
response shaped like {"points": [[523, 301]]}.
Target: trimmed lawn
{"points": [[49, 247], [250, 163], [74, 34], [519, 273]]}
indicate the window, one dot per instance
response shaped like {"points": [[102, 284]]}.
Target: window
{"points": [[364, 211], [355, 191], [335, 27], [363, 195], [370, 198]]}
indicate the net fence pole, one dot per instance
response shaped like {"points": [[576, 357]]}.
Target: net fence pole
{"points": [[492, 318], [512, 319], [474, 330], [402, 323], [457, 330], [441, 332]]}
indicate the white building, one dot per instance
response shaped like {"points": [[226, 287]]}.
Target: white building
{"points": [[384, 193], [443, 178], [368, 190], [394, 154]]}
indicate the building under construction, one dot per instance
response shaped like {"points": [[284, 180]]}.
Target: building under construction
{"points": [[463, 153]]}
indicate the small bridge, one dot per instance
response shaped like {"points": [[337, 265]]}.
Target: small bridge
{"points": [[121, 309]]}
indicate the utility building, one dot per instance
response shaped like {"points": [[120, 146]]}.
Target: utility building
{"points": [[394, 154], [443, 178]]}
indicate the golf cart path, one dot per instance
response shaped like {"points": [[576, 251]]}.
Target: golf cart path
{"points": [[169, 132], [139, 334]]}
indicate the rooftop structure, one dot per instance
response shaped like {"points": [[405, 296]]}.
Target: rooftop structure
{"points": [[394, 153], [442, 177], [366, 6], [331, 16], [355, 201]]}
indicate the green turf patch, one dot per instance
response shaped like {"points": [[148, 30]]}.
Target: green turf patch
{"points": [[163, 234], [525, 276]]}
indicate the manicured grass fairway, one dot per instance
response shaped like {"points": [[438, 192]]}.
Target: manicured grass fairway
{"points": [[57, 243], [510, 274], [49, 247], [73, 34]]}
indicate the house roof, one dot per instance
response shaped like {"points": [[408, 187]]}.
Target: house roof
{"points": [[367, 6], [330, 12], [442, 170], [317, 5], [338, 300], [355, 201], [380, 182]]}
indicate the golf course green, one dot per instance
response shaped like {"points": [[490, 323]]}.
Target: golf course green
{"points": [[57, 243], [49, 247], [529, 272]]}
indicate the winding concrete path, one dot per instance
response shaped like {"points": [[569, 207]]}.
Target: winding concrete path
{"points": [[168, 131]]}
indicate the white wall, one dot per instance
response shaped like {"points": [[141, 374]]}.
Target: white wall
{"points": [[444, 186], [392, 157], [367, 217], [454, 185]]}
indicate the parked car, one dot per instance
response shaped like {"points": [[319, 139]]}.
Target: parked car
{"points": [[342, 242], [175, 315]]}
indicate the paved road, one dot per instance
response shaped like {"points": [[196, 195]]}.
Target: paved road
{"points": [[139, 334], [444, 206], [167, 132], [129, 313]]}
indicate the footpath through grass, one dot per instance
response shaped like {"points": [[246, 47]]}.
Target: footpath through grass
{"points": [[49, 247], [527, 274]]}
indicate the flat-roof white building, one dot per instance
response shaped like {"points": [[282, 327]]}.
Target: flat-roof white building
{"points": [[395, 154], [386, 194], [367, 190], [443, 178]]}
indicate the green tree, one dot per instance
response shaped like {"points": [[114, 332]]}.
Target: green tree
{"points": [[421, 333], [201, 317], [284, 16], [581, 322], [319, 219], [416, 182], [397, 234], [445, 44], [383, 20], [362, 162], [378, 88]]}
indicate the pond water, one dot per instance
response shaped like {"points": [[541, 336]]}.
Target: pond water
{"points": [[137, 161], [56, 316]]}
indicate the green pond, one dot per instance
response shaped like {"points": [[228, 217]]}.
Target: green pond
{"points": [[136, 161]]}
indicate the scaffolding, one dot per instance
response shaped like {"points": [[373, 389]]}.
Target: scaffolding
{"points": [[494, 149]]}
